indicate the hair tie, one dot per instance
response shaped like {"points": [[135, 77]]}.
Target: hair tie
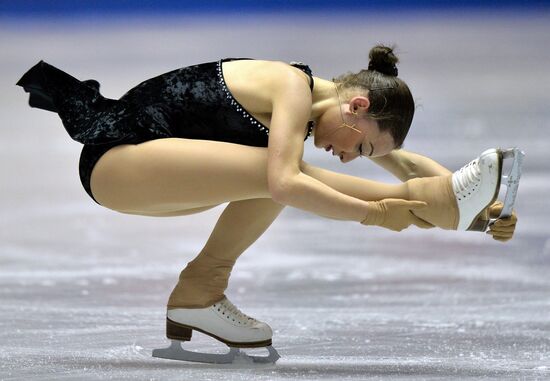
{"points": [[392, 70]]}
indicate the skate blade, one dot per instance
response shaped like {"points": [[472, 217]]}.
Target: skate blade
{"points": [[235, 355], [511, 181], [481, 223]]}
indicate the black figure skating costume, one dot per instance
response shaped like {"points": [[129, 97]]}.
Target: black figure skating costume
{"points": [[191, 102]]}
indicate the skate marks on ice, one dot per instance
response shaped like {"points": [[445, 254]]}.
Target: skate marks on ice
{"points": [[319, 366]]}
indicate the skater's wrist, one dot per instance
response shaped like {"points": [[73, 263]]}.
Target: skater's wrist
{"points": [[375, 213]]}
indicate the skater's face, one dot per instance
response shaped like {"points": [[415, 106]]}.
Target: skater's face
{"points": [[360, 133]]}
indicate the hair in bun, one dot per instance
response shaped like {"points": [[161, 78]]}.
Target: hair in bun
{"points": [[391, 102], [382, 59]]}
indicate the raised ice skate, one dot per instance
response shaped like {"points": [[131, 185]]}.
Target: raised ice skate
{"points": [[477, 184], [222, 321]]}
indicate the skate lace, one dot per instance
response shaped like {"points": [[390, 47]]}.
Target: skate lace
{"points": [[468, 175], [237, 314]]}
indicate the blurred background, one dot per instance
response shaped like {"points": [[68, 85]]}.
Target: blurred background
{"points": [[83, 289]]}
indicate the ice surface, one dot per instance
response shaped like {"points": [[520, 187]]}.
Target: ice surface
{"points": [[83, 289]]}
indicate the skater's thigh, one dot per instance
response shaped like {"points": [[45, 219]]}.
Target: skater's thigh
{"points": [[172, 213], [174, 174]]}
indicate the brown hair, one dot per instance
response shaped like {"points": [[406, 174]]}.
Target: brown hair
{"points": [[391, 101]]}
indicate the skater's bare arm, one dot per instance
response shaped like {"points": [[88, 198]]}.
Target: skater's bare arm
{"points": [[287, 184], [407, 165]]}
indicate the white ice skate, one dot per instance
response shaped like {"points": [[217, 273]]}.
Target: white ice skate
{"points": [[222, 321], [477, 184]]}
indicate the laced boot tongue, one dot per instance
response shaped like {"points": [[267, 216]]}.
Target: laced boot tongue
{"points": [[470, 174], [231, 307]]}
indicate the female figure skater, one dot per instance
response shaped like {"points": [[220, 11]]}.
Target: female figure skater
{"points": [[233, 131]]}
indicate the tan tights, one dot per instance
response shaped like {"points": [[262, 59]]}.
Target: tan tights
{"points": [[442, 210], [205, 279], [203, 282]]}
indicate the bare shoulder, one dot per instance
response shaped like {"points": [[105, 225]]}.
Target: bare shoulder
{"points": [[256, 81], [267, 72]]}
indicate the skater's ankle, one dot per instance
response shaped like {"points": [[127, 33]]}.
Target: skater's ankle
{"points": [[437, 192], [195, 304], [209, 255]]}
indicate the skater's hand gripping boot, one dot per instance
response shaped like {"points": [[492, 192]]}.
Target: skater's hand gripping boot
{"points": [[395, 214], [503, 228]]}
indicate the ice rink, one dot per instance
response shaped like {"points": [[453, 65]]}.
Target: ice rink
{"points": [[83, 289]]}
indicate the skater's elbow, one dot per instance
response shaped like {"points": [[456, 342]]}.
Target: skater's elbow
{"points": [[407, 166], [282, 182], [281, 189], [292, 190], [412, 165], [399, 164], [410, 170]]}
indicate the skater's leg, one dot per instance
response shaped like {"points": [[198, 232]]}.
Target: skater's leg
{"points": [[205, 279], [173, 175], [438, 193]]}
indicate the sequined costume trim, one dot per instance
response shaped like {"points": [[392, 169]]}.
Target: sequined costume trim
{"points": [[238, 107]]}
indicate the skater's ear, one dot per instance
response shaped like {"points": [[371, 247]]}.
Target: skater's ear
{"points": [[359, 105]]}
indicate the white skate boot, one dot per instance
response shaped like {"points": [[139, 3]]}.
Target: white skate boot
{"points": [[477, 184], [222, 321]]}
